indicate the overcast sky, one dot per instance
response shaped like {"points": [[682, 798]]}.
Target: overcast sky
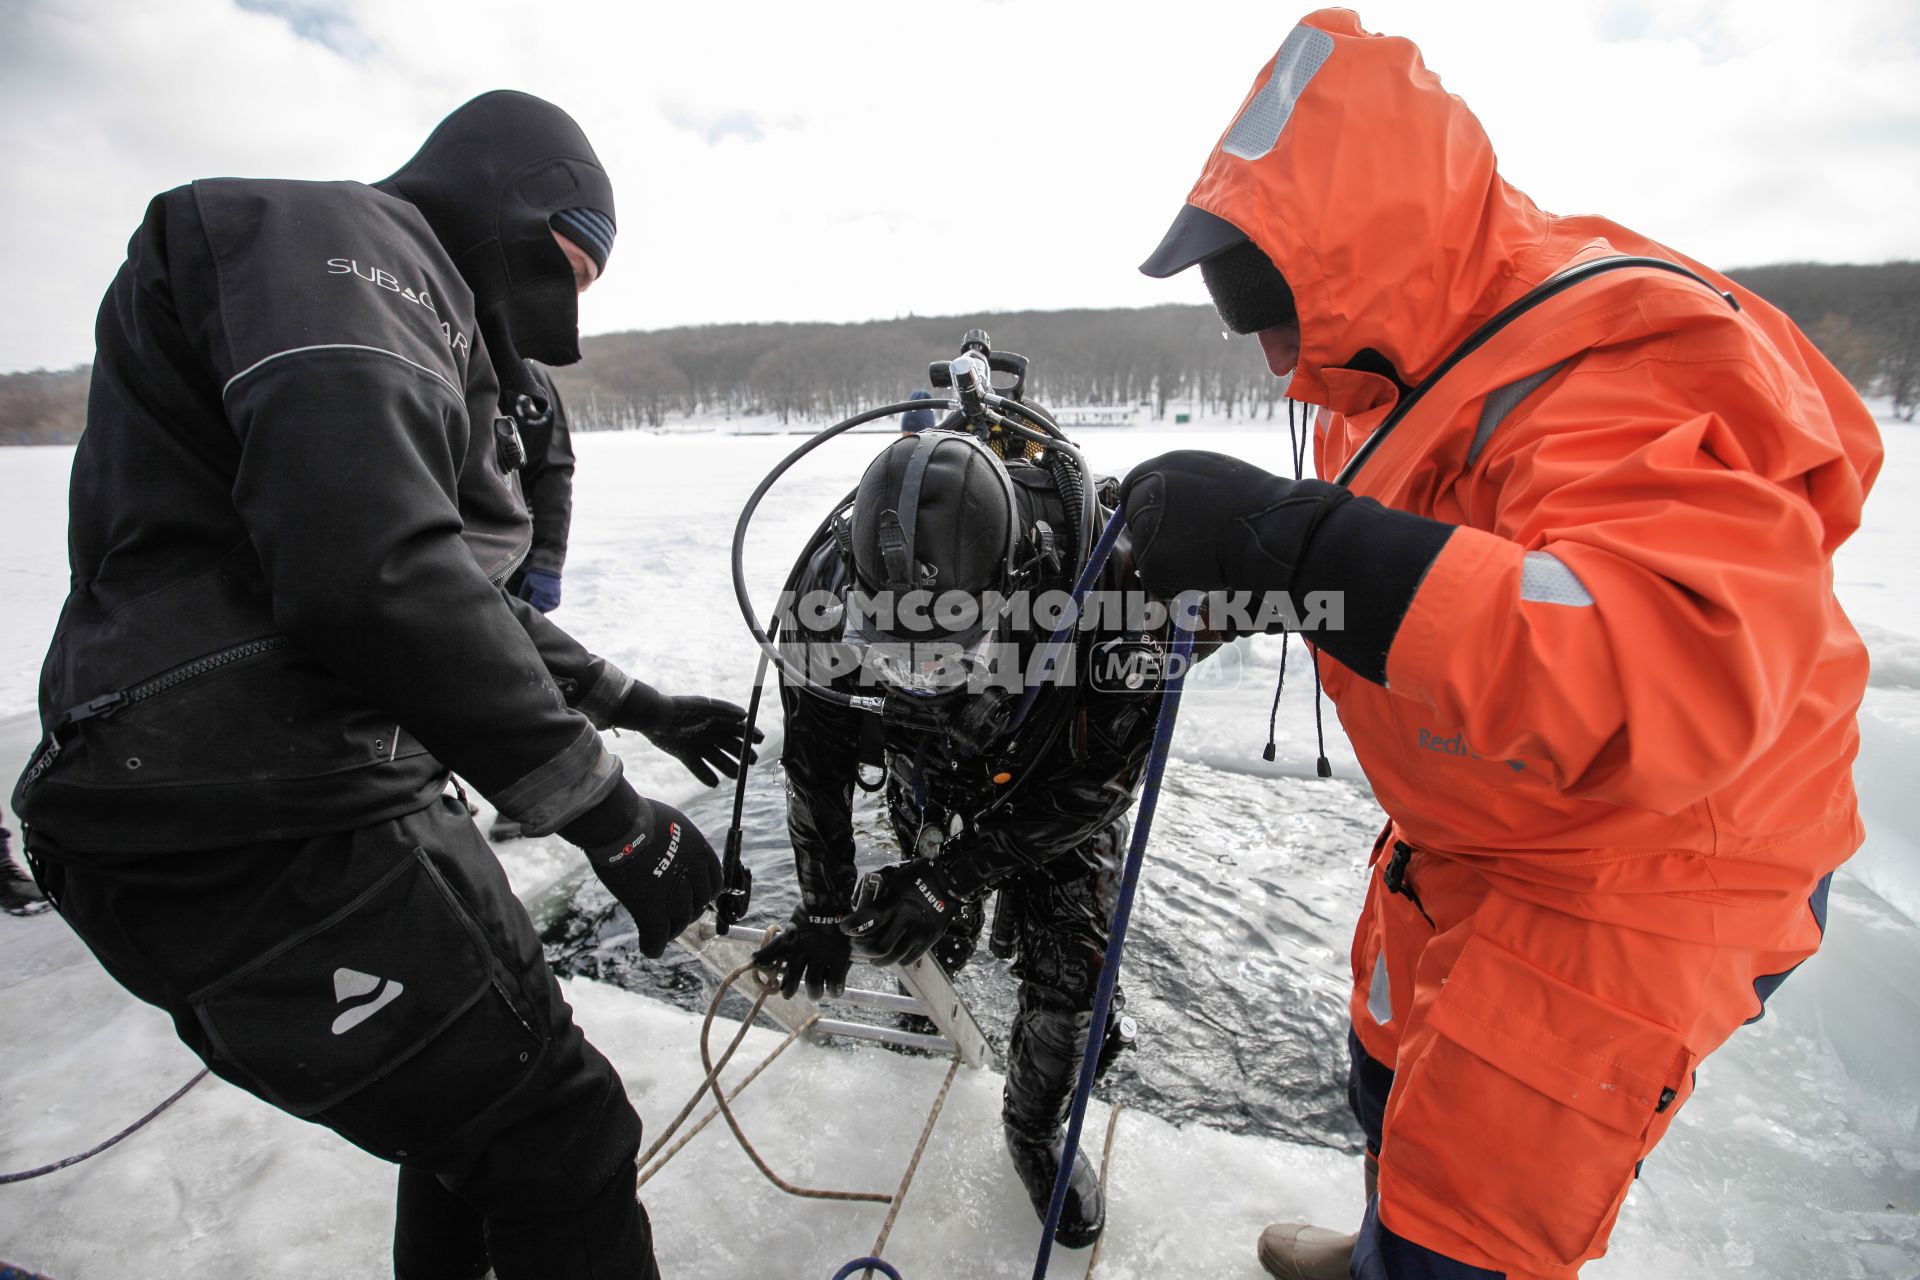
{"points": [[845, 160]]}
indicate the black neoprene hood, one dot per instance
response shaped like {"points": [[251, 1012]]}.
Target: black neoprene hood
{"points": [[488, 180], [934, 512]]}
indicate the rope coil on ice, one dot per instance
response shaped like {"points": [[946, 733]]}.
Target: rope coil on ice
{"points": [[763, 979], [125, 1133]]}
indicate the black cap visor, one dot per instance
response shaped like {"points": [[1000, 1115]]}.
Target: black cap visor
{"points": [[1195, 236]]}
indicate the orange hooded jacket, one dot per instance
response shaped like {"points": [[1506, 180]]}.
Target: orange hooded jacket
{"points": [[1619, 720]]}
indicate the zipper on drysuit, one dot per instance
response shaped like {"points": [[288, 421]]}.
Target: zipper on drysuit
{"points": [[1394, 876], [112, 704]]}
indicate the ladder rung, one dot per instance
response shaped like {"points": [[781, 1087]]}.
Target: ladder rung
{"points": [[885, 1035], [879, 1000], [925, 990]]}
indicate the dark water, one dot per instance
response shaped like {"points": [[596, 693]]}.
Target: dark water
{"points": [[1235, 960]]}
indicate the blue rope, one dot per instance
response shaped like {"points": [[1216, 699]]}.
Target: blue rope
{"points": [[870, 1264], [1117, 939], [1096, 561]]}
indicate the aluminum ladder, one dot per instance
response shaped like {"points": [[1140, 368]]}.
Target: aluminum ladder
{"points": [[930, 994]]}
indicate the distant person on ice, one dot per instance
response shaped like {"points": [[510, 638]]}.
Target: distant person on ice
{"points": [[291, 520], [1040, 815], [1595, 555], [547, 480], [916, 420]]}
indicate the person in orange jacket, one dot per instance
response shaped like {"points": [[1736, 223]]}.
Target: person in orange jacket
{"points": [[1585, 497]]}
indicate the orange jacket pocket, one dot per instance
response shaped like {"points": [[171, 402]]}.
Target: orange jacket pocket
{"points": [[1516, 1126]]}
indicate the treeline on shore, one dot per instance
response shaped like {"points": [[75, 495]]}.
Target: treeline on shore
{"points": [[1865, 318]]}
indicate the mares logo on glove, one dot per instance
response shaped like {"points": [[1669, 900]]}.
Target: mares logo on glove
{"points": [[939, 903], [673, 847]]}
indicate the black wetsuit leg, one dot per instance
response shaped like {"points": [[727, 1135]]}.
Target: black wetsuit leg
{"points": [[1065, 911], [384, 982]]}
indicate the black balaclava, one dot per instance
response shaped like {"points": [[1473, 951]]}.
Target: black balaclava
{"points": [[489, 180], [1248, 290]]}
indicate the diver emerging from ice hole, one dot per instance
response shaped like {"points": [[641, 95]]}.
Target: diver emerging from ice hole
{"points": [[930, 588]]}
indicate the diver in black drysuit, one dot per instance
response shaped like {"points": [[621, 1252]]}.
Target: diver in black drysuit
{"points": [[1040, 814], [292, 512]]}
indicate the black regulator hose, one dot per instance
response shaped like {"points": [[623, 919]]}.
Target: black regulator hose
{"points": [[1048, 434], [760, 637], [736, 893], [1073, 490]]}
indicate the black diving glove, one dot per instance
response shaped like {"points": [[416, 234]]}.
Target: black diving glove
{"points": [[813, 950], [901, 912], [703, 734], [1208, 522], [664, 872]]}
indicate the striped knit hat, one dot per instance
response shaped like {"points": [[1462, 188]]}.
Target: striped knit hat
{"points": [[591, 229]]}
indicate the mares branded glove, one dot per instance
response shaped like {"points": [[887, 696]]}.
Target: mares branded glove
{"points": [[813, 950], [901, 912], [1208, 522], [541, 589], [703, 734], [662, 871]]}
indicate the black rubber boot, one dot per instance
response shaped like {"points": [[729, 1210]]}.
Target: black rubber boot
{"points": [[1037, 1161]]}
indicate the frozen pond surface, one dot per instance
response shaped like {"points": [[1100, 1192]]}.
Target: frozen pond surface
{"points": [[1234, 968]]}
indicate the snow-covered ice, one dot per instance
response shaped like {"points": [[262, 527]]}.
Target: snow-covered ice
{"points": [[1798, 1157]]}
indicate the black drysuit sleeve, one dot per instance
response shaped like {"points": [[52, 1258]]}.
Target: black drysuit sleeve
{"points": [[591, 685], [821, 761], [356, 423], [547, 479]]}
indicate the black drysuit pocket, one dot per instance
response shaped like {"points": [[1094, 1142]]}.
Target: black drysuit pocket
{"points": [[388, 1021]]}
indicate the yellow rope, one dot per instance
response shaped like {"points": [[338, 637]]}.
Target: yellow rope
{"points": [[713, 1113], [1106, 1197], [726, 1111], [764, 980], [740, 1035], [913, 1165]]}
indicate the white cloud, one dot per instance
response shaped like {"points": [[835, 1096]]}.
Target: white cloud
{"points": [[779, 161]]}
